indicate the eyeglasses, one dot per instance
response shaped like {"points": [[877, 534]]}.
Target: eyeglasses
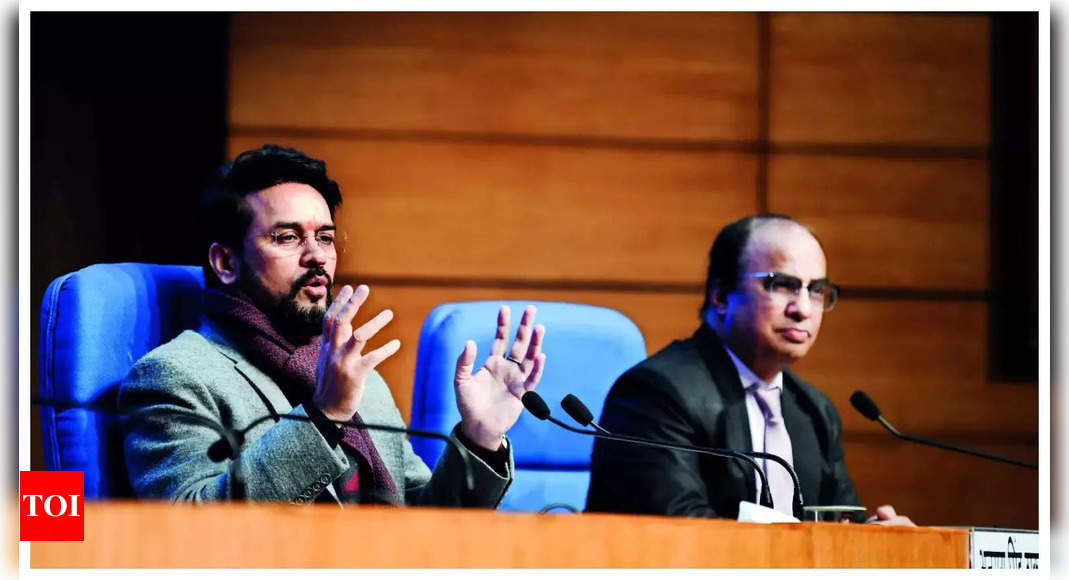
{"points": [[786, 287], [287, 242]]}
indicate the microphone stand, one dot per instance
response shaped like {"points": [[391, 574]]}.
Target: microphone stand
{"points": [[541, 411], [868, 409], [582, 415], [949, 447], [230, 440], [469, 479]]}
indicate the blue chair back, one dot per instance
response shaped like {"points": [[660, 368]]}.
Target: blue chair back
{"points": [[95, 323], [587, 348]]}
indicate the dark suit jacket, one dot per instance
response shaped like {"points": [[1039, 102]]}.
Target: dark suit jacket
{"points": [[690, 392]]}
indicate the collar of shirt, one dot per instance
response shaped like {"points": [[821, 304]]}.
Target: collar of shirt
{"points": [[748, 378]]}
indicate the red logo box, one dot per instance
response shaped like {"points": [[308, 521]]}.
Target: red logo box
{"points": [[51, 505]]}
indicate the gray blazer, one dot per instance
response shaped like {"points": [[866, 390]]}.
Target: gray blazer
{"points": [[201, 373]]}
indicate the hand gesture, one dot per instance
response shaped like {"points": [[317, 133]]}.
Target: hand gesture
{"points": [[489, 400], [343, 367]]}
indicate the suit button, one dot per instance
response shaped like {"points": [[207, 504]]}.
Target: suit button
{"points": [[299, 500], [325, 479], [317, 486]]}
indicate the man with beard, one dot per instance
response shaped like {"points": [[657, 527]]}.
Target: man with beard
{"points": [[276, 356]]}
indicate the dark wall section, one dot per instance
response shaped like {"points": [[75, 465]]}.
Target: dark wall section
{"points": [[1014, 318], [128, 117]]}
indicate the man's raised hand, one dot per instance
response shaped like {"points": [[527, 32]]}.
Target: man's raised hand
{"points": [[489, 399], [343, 366]]}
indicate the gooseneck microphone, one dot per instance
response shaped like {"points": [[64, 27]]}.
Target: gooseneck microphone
{"points": [[867, 407], [230, 441], [578, 411], [582, 415], [222, 449], [534, 403], [239, 438]]}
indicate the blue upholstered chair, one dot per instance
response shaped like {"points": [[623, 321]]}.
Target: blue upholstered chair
{"points": [[95, 323], [587, 348]]}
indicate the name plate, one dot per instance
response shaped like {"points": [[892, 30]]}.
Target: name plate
{"points": [[999, 549]]}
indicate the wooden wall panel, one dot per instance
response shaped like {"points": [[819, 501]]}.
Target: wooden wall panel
{"points": [[879, 79], [530, 212], [641, 76], [923, 362], [599, 155], [937, 487], [914, 223]]}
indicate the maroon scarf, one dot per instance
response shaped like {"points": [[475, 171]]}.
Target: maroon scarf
{"points": [[293, 367]]}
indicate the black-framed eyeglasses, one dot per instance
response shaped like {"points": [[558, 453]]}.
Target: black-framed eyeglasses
{"points": [[821, 291]]}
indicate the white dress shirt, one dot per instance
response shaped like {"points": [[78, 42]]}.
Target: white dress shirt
{"points": [[753, 411]]}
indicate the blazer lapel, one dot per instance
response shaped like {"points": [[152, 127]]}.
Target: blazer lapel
{"points": [[734, 432], [805, 448], [262, 386], [265, 388]]}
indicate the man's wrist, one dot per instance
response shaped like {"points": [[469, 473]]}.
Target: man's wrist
{"points": [[330, 430], [329, 413], [497, 459], [488, 443]]}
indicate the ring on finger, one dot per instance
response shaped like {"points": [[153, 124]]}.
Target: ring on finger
{"points": [[515, 360]]}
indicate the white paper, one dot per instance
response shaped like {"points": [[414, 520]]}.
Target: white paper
{"points": [[759, 514]]}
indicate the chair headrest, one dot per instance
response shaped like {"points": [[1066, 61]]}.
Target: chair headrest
{"points": [[587, 348], [95, 323]]}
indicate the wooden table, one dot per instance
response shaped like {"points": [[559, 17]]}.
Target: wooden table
{"points": [[161, 535]]}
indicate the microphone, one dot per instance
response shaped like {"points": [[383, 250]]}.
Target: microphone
{"points": [[578, 411], [220, 450], [230, 440], [582, 415], [239, 437], [867, 407], [534, 403], [224, 447]]}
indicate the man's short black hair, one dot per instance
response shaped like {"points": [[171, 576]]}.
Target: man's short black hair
{"points": [[725, 255], [224, 206]]}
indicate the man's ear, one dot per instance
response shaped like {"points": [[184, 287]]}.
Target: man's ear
{"points": [[718, 298], [223, 263]]}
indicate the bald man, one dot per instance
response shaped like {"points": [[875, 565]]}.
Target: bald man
{"points": [[728, 386]]}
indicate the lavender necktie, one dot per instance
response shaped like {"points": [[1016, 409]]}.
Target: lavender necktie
{"points": [[777, 442]]}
